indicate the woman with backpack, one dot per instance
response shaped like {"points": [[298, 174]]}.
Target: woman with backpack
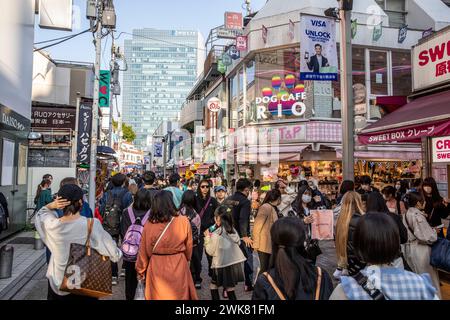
{"points": [[266, 217], [222, 244], [291, 275], [165, 252], [132, 224], [188, 210]]}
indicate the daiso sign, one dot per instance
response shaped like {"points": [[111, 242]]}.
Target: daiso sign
{"points": [[441, 149], [431, 61]]}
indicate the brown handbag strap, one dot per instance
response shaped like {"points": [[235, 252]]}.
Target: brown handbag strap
{"points": [[319, 283], [274, 286], [90, 223]]}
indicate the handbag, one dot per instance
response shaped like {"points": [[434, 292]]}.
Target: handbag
{"points": [[281, 295], [312, 249], [202, 212], [440, 254], [88, 273]]}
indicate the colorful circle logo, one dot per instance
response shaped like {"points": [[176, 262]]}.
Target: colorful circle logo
{"points": [[267, 92], [299, 88], [289, 80], [276, 82]]}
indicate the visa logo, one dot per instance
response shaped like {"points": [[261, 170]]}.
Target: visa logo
{"points": [[319, 23]]}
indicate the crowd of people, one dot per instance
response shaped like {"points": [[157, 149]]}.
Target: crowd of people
{"points": [[162, 228]]}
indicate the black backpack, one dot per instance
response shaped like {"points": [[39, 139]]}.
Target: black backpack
{"points": [[113, 213]]}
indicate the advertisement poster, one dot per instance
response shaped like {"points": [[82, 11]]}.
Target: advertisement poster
{"points": [[84, 131], [322, 227], [318, 50]]}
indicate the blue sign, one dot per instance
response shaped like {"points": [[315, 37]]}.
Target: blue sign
{"points": [[158, 150], [234, 53]]}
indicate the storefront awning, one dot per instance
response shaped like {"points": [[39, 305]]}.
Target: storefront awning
{"points": [[265, 154], [427, 116], [385, 153], [391, 103]]}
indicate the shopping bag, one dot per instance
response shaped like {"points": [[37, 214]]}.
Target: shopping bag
{"points": [[140, 291], [323, 227], [440, 254]]}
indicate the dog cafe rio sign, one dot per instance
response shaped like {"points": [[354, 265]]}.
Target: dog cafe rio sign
{"points": [[284, 97]]}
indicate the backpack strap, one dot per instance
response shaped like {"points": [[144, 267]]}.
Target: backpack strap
{"points": [[145, 218], [274, 286], [131, 215]]}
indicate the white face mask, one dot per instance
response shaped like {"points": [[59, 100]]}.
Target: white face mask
{"points": [[397, 187], [306, 198]]}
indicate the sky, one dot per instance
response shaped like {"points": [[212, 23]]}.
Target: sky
{"points": [[201, 15]]}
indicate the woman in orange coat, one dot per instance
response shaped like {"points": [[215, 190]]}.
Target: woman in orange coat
{"points": [[165, 252]]}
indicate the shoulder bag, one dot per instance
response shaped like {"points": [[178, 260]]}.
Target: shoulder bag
{"points": [[281, 295], [88, 273], [202, 212]]}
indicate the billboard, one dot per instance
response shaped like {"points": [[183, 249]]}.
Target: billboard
{"points": [[104, 84], [55, 14], [53, 117], [318, 50], [233, 20]]}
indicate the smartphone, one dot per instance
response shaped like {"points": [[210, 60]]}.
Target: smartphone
{"points": [[212, 228], [306, 55]]}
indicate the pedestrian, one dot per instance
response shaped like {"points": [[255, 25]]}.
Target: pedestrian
{"points": [[193, 185], [301, 207], [255, 197], [376, 240], [4, 213], [319, 201], [59, 233], [416, 185], [376, 203], [401, 188], [287, 197], [188, 204], [346, 186], [149, 180], [291, 275], [436, 207], [393, 204], [165, 252], [133, 187], [241, 218], [421, 236], [220, 193], [265, 218], [43, 194], [351, 211], [111, 206], [85, 211], [366, 185], [222, 243], [135, 215], [48, 176], [174, 188], [205, 205]]}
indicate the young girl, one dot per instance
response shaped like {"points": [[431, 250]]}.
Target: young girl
{"points": [[222, 244]]}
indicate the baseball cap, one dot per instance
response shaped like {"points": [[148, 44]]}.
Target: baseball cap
{"points": [[71, 192], [220, 188]]}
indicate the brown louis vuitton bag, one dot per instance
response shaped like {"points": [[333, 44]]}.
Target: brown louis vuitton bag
{"points": [[87, 273]]}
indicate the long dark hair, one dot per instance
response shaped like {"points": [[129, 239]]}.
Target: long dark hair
{"points": [[226, 218], [73, 208], [188, 202], [288, 257], [163, 208], [436, 198], [376, 203], [199, 190], [40, 187], [272, 196], [142, 200], [404, 186], [297, 204]]}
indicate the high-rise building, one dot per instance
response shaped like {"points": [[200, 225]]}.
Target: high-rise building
{"points": [[163, 67]]}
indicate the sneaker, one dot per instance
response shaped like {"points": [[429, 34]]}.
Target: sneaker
{"points": [[122, 273], [198, 285], [114, 281], [337, 274], [225, 294], [248, 288]]}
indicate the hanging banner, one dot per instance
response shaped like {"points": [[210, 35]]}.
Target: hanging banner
{"points": [[402, 32], [291, 30], [318, 48], [377, 31], [104, 84], [84, 131], [241, 43], [264, 33], [354, 28], [158, 146]]}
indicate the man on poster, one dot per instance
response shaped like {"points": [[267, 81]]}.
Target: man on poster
{"points": [[317, 61]]}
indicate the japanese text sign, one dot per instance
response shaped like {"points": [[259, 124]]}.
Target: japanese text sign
{"points": [[431, 61], [241, 43], [53, 117], [233, 20], [84, 131]]}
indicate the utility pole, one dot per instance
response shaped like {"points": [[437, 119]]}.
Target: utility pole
{"points": [[348, 140], [94, 134], [111, 105]]}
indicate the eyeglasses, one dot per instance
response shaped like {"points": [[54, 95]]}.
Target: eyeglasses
{"points": [[204, 187]]}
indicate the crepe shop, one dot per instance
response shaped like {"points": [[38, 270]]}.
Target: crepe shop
{"points": [[425, 120]]}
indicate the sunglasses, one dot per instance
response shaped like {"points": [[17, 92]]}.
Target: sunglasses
{"points": [[204, 187]]}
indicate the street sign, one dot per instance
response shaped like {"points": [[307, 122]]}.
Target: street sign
{"points": [[84, 131], [241, 43], [234, 53], [104, 84], [226, 59], [224, 33], [233, 20], [214, 104]]}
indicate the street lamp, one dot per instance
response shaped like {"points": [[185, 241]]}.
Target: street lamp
{"points": [[343, 14]]}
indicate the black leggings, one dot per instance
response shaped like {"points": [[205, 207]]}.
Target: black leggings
{"points": [[130, 279], [264, 259]]}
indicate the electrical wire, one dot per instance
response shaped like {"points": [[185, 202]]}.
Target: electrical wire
{"points": [[64, 40]]}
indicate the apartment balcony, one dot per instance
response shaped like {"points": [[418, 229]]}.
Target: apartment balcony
{"points": [[210, 68], [192, 110]]}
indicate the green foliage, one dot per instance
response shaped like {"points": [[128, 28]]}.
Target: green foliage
{"points": [[128, 133]]}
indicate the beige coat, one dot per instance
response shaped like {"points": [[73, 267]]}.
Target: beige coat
{"points": [[264, 220], [417, 250]]}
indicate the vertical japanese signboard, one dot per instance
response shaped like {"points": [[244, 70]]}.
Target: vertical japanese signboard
{"points": [[103, 95], [318, 48], [233, 20], [84, 131]]}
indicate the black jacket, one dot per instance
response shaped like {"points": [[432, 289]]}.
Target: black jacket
{"points": [[436, 212], [264, 291], [208, 216], [242, 208], [313, 65], [354, 263], [401, 227]]}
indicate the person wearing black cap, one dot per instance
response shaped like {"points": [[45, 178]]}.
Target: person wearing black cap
{"points": [[58, 234]]}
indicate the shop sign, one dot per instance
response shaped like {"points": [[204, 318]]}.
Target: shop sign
{"points": [[223, 33], [214, 105], [104, 84], [431, 61], [234, 53], [84, 131], [282, 103], [318, 48], [287, 134], [158, 149], [440, 149], [233, 20], [241, 43], [53, 117], [13, 120], [404, 134], [226, 59]]}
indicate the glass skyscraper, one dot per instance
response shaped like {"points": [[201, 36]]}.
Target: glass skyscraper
{"points": [[163, 66]]}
